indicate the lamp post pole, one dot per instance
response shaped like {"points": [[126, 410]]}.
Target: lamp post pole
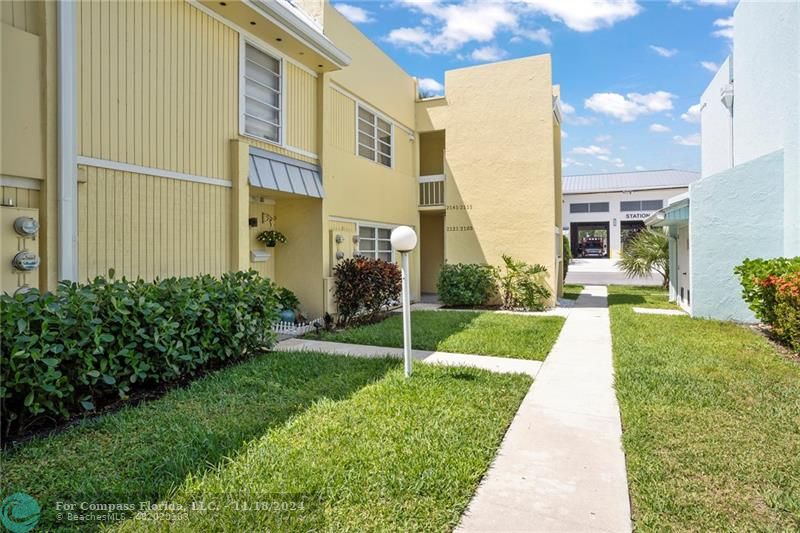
{"points": [[404, 240], [406, 313]]}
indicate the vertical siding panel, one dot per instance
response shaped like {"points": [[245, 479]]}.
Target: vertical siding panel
{"points": [[135, 25], [127, 224], [130, 76], [174, 88], [114, 128], [92, 221], [119, 220], [83, 230]]}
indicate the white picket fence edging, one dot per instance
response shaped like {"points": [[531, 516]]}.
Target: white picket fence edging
{"points": [[292, 328]]}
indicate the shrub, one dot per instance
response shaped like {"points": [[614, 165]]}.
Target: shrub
{"points": [[287, 299], [645, 252], [363, 287], [522, 285], [467, 284], [566, 255], [759, 278], [787, 310], [66, 351]]}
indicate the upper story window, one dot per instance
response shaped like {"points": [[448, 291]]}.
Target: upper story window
{"points": [[374, 137], [261, 95], [586, 207], [643, 205]]}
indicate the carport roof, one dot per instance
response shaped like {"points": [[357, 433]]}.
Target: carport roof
{"points": [[628, 181]]}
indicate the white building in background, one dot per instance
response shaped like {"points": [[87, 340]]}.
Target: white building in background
{"points": [[747, 203], [615, 206]]}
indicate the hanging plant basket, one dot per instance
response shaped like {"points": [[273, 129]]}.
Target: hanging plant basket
{"points": [[271, 238]]}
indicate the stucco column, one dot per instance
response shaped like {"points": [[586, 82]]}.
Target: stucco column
{"points": [[240, 199]]}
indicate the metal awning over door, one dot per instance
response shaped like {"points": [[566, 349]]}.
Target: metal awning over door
{"points": [[285, 174]]}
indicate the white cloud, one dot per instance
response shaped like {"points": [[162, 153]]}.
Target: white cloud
{"points": [[628, 108], [616, 161], [692, 114], [354, 14], [709, 66], [541, 35], [451, 26], [488, 53], [639, 167], [602, 138], [689, 140], [725, 28], [571, 118], [659, 128], [569, 162], [564, 134], [663, 52], [590, 150], [586, 15], [429, 85]]}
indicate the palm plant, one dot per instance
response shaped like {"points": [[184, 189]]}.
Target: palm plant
{"points": [[646, 252]]}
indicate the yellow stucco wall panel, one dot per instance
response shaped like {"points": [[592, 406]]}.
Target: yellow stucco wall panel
{"points": [[21, 104]]}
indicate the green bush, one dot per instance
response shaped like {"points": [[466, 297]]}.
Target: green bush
{"points": [[85, 344], [287, 300], [787, 310], [522, 285], [466, 284], [758, 277], [566, 255], [364, 287]]}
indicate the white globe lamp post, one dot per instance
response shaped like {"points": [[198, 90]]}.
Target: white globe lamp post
{"points": [[404, 240]]}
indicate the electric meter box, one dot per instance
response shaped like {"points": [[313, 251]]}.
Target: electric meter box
{"points": [[19, 248]]}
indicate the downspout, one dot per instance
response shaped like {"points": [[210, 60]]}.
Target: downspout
{"points": [[67, 147]]}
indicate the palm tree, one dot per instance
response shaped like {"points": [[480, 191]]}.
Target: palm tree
{"points": [[644, 253]]}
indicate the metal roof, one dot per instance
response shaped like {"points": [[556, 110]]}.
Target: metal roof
{"points": [[628, 181], [280, 173]]}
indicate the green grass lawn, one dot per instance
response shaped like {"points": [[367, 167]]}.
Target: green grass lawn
{"points": [[349, 439], [571, 291], [711, 418], [471, 332]]}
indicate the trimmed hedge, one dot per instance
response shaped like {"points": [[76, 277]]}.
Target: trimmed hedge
{"points": [[771, 288], [85, 344], [466, 284], [364, 286]]}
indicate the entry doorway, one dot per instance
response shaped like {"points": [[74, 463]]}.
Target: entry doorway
{"points": [[585, 237], [431, 246]]}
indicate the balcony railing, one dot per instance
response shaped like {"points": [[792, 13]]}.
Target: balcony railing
{"points": [[431, 190]]}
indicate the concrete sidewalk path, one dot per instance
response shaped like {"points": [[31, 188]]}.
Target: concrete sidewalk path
{"points": [[561, 466], [485, 362]]}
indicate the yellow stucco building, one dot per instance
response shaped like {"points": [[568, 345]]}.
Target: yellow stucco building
{"points": [[159, 138]]}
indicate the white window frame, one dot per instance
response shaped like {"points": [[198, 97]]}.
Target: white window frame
{"points": [[376, 227], [244, 42], [374, 148]]}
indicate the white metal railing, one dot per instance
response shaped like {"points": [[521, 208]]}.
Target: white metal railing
{"points": [[295, 328], [431, 190]]}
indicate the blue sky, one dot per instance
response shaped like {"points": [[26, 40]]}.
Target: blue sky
{"points": [[629, 70]]}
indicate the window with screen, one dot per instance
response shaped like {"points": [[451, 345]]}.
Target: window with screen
{"points": [[598, 207], [630, 206], [652, 205], [578, 208]]}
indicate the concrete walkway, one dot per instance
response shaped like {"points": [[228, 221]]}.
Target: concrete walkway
{"points": [[561, 466], [485, 362]]}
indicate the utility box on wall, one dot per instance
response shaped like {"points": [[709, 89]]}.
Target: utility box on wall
{"points": [[19, 248]]}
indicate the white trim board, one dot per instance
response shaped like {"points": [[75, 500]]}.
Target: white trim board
{"points": [[150, 171], [32, 184]]}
